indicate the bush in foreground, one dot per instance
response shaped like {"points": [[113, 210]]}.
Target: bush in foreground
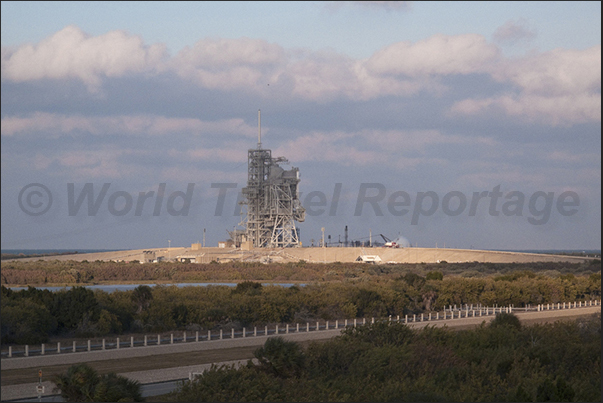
{"points": [[391, 362], [82, 383]]}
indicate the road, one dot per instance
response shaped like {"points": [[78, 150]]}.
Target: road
{"points": [[151, 389], [170, 362]]}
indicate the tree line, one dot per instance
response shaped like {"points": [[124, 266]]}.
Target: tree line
{"points": [[388, 361], [55, 272], [33, 316]]}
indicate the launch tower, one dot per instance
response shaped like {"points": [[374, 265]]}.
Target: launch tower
{"points": [[271, 200]]}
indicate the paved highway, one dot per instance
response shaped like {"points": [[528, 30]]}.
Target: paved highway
{"points": [[151, 389]]}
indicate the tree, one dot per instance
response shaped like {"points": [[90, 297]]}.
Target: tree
{"points": [[230, 384], [248, 287], [142, 297], [77, 384], [116, 388], [434, 275], [26, 322], [380, 334], [108, 323], [414, 280], [280, 358], [72, 306], [506, 319], [560, 391], [81, 383]]}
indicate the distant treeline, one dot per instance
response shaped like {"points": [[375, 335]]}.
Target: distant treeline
{"points": [[32, 316], [57, 272], [389, 362], [7, 256]]}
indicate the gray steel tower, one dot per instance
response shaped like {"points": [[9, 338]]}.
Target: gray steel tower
{"points": [[271, 198]]}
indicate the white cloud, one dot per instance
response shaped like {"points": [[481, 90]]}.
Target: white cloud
{"points": [[411, 140], [330, 147], [229, 63], [558, 72], [368, 147], [560, 87], [250, 64], [86, 164], [227, 153], [203, 177], [70, 53], [436, 55], [563, 110], [55, 125]]}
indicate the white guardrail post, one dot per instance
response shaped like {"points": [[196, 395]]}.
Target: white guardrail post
{"points": [[481, 311]]}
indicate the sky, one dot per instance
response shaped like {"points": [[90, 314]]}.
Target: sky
{"points": [[453, 124]]}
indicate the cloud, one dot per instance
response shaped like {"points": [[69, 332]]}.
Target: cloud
{"points": [[229, 63], [410, 140], [267, 69], [562, 156], [324, 146], [70, 53], [558, 72], [84, 164], [251, 65], [437, 55], [140, 125], [560, 87], [554, 111], [113, 163], [513, 31], [396, 148], [228, 153]]}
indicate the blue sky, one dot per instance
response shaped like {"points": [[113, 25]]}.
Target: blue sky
{"points": [[355, 30], [417, 97]]}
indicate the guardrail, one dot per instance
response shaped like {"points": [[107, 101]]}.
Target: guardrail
{"points": [[452, 312]]}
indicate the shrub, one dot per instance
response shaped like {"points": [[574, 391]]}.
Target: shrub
{"points": [[81, 383], [506, 319]]}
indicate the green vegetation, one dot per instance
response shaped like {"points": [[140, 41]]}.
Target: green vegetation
{"points": [[46, 273], [503, 361], [82, 383], [391, 362], [32, 316]]}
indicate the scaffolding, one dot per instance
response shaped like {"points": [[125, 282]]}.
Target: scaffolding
{"points": [[271, 200]]}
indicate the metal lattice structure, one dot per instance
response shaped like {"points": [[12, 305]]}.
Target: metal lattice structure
{"points": [[271, 200]]}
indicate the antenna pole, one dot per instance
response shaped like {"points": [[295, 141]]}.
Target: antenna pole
{"points": [[259, 129]]}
